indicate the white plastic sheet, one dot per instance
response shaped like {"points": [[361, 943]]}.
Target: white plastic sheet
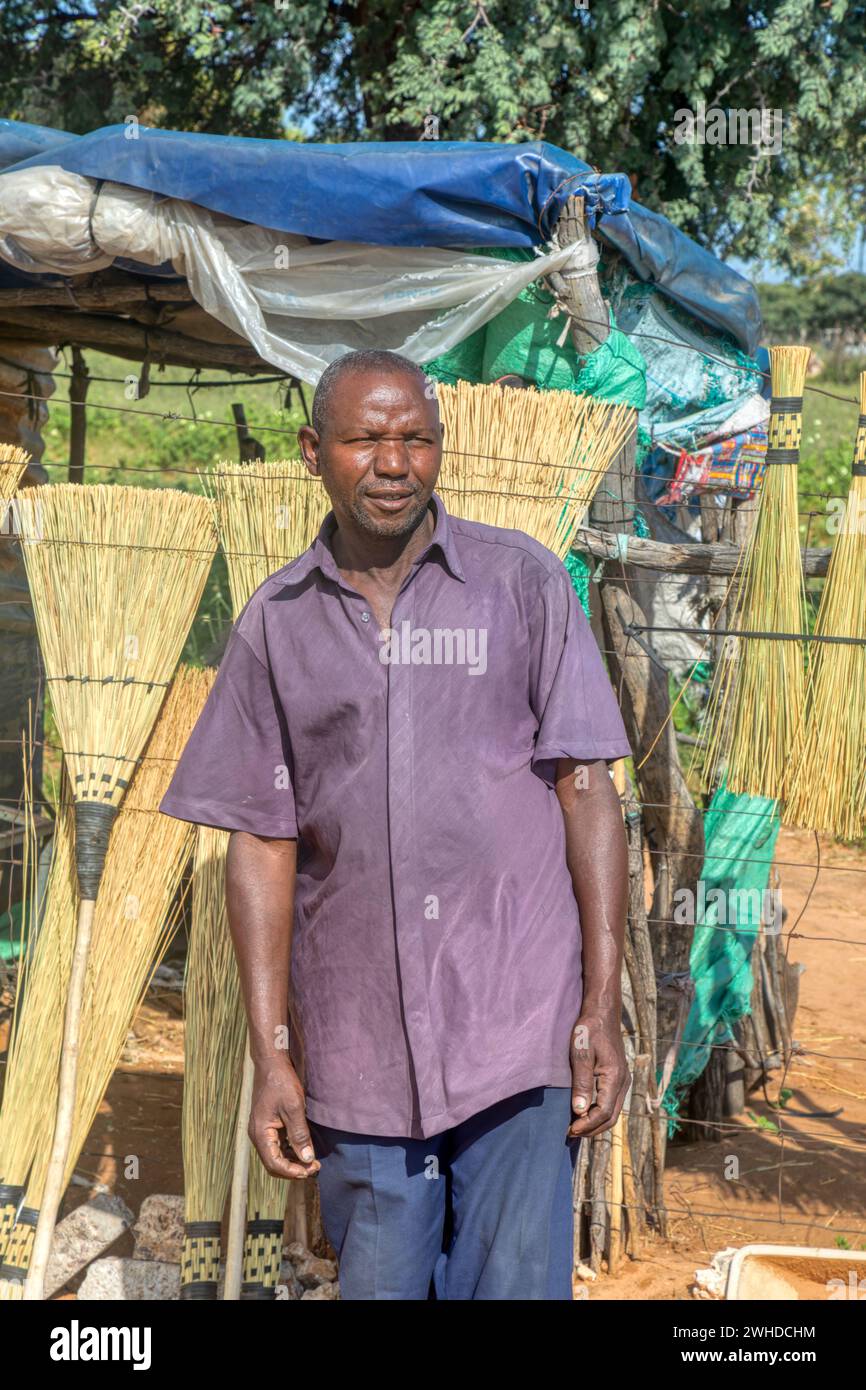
{"points": [[299, 304]]}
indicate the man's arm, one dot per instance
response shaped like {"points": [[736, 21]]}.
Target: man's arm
{"points": [[597, 857], [260, 897]]}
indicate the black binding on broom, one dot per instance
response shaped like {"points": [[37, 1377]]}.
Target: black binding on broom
{"points": [[786, 405], [264, 1227], [93, 822], [201, 1228], [783, 456]]}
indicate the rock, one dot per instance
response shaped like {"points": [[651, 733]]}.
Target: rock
{"points": [[290, 1281], [296, 1251], [312, 1271], [159, 1229], [330, 1291], [115, 1280], [84, 1234]]}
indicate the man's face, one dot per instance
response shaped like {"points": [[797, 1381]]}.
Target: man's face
{"points": [[380, 451]]}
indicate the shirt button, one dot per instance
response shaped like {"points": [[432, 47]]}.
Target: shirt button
{"points": [[365, 616]]}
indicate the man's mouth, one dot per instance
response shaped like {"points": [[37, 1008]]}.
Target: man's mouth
{"points": [[391, 501]]}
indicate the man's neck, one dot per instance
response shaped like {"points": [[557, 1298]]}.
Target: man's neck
{"points": [[382, 560]]}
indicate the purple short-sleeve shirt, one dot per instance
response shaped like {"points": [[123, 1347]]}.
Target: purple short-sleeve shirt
{"points": [[436, 961]]}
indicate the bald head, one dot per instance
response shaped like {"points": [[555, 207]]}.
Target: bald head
{"points": [[374, 362]]}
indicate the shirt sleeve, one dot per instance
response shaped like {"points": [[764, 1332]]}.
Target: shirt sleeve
{"points": [[571, 694], [234, 773]]}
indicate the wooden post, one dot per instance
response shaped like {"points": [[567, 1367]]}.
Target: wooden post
{"points": [[25, 374], [78, 385], [249, 449]]}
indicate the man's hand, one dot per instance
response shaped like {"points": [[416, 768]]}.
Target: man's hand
{"points": [[278, 1122], [597, 1054]]}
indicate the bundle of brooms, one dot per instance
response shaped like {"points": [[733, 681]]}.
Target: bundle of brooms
{"points": [[266, 514], [757, 705], [828, 782], [137, 911], [116, 574], [526, 459]]}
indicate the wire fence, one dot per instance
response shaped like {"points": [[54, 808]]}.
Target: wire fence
{"points": [[783, 1137]]}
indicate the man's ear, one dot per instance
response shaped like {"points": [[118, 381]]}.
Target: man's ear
{"points": [[308, 439]]}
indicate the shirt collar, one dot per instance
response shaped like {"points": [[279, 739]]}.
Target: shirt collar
{"points": [[320, 554]]}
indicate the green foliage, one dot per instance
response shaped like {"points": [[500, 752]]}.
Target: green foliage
{"points": [[606, 83], [828, 307]]}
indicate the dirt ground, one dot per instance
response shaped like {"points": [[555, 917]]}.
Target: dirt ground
{"points": [[802, 1180]]}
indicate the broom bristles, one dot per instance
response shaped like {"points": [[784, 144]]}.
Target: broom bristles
{"points": [[214, 1036], [526, 459], [267, 514], [828, 784], [135, 917], [26, 1120], [756, 707], [116, 574]]}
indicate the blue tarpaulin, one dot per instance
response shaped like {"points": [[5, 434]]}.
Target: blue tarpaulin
{"points": [[422, 193]]}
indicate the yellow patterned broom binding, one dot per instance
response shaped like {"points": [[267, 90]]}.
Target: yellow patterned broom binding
{"points": [[200, 1261]]}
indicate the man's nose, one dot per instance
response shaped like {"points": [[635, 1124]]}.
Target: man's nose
{"points": [[391, 458]]}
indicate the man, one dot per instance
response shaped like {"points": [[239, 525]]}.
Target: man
{"points": [[408, 738]]}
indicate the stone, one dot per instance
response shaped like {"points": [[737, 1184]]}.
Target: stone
{"points": [[159, 1229], [116, 1280], [290, 1281], [313, 1271], [329, 1291], [83, 1235]]}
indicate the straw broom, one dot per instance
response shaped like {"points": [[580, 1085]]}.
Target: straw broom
{"points": [[756, 708], [26, 1119], [266, 514], [115, 574], [214, 1034], [263, 1245], [136, 915], [828, 784], [526, 459]]}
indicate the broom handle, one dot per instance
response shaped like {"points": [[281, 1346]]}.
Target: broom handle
{"points": [[240, 1183], [34, 1289]]}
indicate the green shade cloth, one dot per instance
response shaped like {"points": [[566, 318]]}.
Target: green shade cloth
{"points": [[524, 340], [740, 840]]}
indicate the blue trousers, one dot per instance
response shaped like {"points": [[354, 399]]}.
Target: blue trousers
{"points": [[481, 1211]]}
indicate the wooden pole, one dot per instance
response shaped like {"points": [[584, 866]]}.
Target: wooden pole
{"points": [[234, 1269], [78, 385]]}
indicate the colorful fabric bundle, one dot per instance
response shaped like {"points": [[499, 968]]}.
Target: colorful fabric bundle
{"points": [[734, 466]]}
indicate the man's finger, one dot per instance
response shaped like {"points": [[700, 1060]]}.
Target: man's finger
{"points": [[582, 1073], [298, 1135], [267, 1145], [600, 1116]]}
